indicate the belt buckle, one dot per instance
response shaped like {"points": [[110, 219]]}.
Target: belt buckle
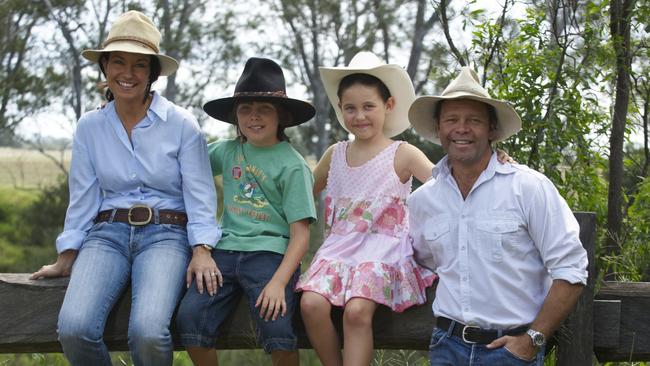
{"points": [[465, 333], [139, 223]]}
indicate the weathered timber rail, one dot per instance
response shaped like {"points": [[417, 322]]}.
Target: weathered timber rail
{"points": [[614, 325]]}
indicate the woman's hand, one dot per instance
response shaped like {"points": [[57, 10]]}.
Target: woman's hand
{"points": [[204, 268], [271, 301], [61, 268]]}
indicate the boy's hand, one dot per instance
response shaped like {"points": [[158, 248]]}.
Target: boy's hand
{"points": [[271, 301]]}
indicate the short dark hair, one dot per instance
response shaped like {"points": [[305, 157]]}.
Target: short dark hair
{"points": [[154, 73], [283, 116], [492, 114], [366, 80]]}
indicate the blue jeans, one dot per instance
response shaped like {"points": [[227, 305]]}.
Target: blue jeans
{"points": [[153, 259], [446, 349], [244, 273]]}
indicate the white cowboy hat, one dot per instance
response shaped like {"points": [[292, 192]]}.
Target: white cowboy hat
{"points": [[464, 86], [134, 32], [393, 76]]}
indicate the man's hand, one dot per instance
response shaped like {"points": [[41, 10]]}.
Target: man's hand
{"points": [[61, 268], [271, 301], [204, 268], [520, 346]]}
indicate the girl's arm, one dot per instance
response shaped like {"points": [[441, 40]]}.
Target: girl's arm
{"points": [[322, 170], [272, 301], [411, 161]]}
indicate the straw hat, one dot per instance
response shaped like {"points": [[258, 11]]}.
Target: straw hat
{"points": [[464, 86], [393, 76], [261, 80], [134, 32]]}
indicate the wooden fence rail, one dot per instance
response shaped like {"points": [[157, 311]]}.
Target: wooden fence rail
{"points": [[613, 326]]}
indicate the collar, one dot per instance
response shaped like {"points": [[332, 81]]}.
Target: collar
{"points": [[494, 167], [159, 106]]}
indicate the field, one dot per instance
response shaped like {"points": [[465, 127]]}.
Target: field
{"points": [[31, 169]]}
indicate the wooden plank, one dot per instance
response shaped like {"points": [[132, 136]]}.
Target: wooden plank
{"points": [[634, 340], [607, 323], [29, 310], [575, 338]]}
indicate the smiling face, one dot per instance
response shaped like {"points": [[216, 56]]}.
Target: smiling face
{"points": [[127, 75], [465, 134], [364, 111], [258, 122]]}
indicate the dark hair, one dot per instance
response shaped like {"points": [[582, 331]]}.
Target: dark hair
{"points": [[154, 73], [365, 80], [283, 116], [491, 111]]}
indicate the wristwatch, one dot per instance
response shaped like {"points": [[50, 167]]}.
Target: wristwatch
{"points": [[205, 246], [538, 338]]}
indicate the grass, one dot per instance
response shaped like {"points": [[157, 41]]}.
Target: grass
{"points": [[30, 169]]}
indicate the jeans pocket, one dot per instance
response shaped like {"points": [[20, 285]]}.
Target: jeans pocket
{"points": [[437, 337], [177, 229], [521, 360]]}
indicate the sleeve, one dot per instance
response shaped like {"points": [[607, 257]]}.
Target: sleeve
{"points": [[556, 233], [85, 194], [421, 251], [297, 194], [215, 152], [199, 193]]}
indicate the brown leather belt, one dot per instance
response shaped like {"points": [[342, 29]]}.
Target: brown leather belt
{"points": [[139, 215], [473, 334]]}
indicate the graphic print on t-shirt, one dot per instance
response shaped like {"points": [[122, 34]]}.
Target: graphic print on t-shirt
{"points": [[249, 191]]}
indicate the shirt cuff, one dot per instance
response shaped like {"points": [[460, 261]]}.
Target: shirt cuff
{"points": [[203, 234], [70, 239], [571, 275]]}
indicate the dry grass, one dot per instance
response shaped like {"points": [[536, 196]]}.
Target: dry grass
{"points": [[30, 169]]}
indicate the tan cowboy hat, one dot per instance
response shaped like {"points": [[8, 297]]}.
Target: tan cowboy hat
{"points": [[134, 32], [465, 86], [393, 76]]}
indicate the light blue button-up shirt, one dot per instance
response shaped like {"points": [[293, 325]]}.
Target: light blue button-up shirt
{"points": [[498, 250], [165, 165]]}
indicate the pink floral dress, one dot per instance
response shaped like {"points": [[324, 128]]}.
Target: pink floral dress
{"points": [[367, 252]]}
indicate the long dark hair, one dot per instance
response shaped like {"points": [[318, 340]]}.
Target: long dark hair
{"points": [[154, 73]]}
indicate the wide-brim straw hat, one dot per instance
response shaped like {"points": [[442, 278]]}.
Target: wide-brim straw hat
{"points": [[261, 80], [393, 76], [465, 86], [134, 32]]}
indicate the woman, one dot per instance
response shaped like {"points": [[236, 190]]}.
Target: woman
{"points": [[142, 200]]}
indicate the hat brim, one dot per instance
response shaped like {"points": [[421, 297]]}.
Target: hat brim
{"points": [[168, 65], [393, 76], [422, 109], [222, 108]]}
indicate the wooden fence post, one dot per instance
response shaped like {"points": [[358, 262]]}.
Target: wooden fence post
{"points": [[576, 337]]}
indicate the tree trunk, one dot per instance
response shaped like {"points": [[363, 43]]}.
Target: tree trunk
{"points": [[620, 14]]}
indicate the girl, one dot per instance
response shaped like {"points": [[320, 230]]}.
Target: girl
{"points": [[366, 258], [141, 195], [268, 207]]}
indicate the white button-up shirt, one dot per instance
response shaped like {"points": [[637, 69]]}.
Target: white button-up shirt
{"points": [[497, 251], [164, 165]]}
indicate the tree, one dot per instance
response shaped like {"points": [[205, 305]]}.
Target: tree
{"points": [[620, 25]]}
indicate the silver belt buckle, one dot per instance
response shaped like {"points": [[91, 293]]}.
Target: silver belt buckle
{"points": [[143, 222], [465, 333]]}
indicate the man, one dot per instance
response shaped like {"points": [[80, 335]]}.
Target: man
{"points": [[503, 241]]}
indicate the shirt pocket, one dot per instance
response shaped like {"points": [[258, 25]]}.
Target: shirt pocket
{"points": [[436, 234], [490, 236]]}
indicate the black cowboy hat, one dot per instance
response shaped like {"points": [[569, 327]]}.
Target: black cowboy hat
{"points": [[261, 80]]}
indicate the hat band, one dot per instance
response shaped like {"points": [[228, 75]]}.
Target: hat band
{"points": [[142, 41], [278, 93]]}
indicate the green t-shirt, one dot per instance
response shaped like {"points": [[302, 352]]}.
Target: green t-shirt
{"points": [[265, 189]]}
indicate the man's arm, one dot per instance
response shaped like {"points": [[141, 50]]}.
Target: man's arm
{"points": [[559, 302]]}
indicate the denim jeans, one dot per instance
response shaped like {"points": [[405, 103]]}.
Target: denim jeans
{"points": [[153, 259], [200, 316], [446, 349]]}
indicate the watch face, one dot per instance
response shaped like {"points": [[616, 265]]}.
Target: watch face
{"points": [[538, 339]]}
